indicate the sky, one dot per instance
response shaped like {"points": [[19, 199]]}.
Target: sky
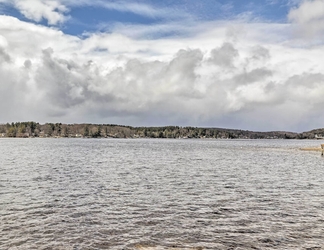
{"points": [[243, 64]]}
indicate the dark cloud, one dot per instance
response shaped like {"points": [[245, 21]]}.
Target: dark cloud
{"points": [[4, 56], [224, 56], [173, 92]]}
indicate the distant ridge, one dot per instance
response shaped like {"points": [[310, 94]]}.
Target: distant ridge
{"points": [[84, 130]]}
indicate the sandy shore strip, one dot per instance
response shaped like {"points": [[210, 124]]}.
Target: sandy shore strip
{"points": [[312, 149]]}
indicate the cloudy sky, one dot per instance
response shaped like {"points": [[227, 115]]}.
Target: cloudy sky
{"points": [[247, 64]]}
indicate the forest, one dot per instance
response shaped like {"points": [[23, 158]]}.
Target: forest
{"points": [[57, 130]]}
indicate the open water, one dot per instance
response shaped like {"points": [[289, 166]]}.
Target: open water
{"points": [[160, 194]]}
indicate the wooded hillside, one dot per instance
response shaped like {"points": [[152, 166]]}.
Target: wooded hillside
{"points": [[35, 129]]}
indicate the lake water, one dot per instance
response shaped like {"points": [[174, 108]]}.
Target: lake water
{"points": [[160, 194]]}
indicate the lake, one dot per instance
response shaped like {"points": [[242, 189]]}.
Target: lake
{"points": [[160, 194]]}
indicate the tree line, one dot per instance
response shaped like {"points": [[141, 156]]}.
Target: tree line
{"points": [[35, 129]]}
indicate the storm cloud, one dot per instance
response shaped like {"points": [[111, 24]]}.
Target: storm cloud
{"points": [[225, 75]]}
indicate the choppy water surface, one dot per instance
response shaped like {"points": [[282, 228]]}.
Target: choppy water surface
{"points": [[160, 194]]}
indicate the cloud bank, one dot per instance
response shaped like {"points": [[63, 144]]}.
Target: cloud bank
{"points": [[255, 76]]}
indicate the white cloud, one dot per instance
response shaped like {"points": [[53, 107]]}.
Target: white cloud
{"points": [[53, 11], [247, 77], [309, 17]]}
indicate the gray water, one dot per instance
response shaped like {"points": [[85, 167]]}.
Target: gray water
{"points": [[160, 194]]}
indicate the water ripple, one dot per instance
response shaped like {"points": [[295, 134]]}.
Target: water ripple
{"points": [[160, 194]]}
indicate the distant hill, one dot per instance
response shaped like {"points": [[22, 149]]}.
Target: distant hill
{"points": [[35, 129]]}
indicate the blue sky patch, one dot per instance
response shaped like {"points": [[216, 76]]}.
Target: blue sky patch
{"points": [[102, 15]]}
